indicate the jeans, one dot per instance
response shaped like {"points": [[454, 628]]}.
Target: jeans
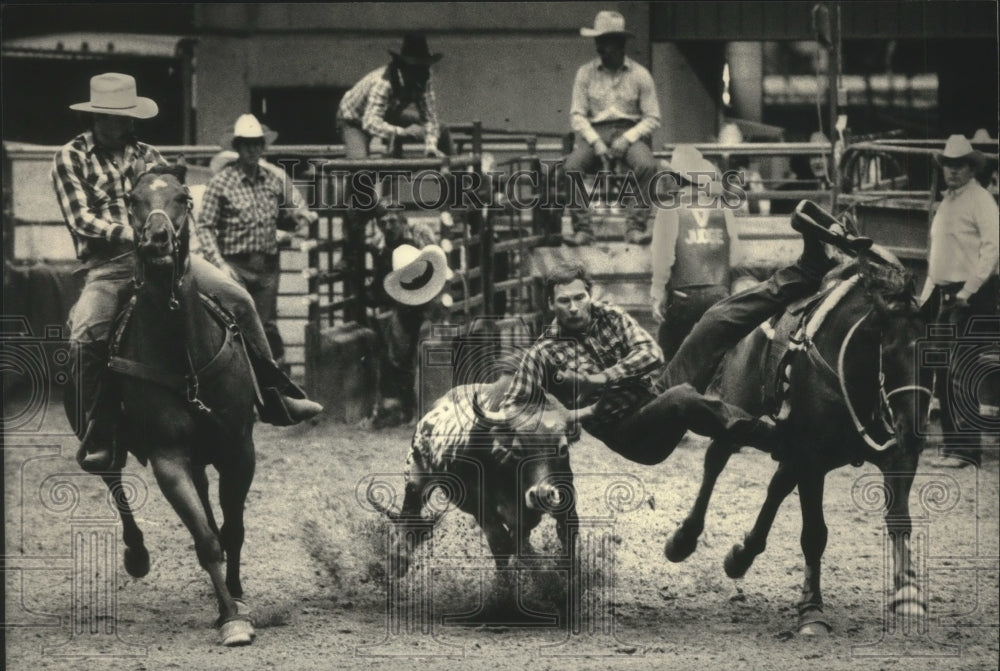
{"points": [[108, 287], [728, 321], [356, 139], [639, 158], [955, 386], [682, 310], [260, 275], [650, 435]]}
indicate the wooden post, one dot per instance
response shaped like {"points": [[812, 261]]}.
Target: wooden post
{"points": [[833, 86]]}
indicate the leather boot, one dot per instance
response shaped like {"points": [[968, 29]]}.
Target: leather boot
{"points": [[761, 432], [284, 402], [95, 393], [813, 221]]}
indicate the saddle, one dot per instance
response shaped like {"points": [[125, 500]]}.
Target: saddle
{"points": [[788, 333], [187, 384]]}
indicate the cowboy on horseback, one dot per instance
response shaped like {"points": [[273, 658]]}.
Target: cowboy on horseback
{"points": [[93, 176]]}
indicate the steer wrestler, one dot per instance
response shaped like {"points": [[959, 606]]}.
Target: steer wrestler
{"points": [[597, 353]]}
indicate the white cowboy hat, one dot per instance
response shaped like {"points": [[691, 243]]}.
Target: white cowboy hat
{"points": [[688, 162], [607, 23], [982, 135], [221, 160], [958, 147], [418, 275], [248, 127], [114, 93]]}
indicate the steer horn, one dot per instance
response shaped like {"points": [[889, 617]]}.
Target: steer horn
{"points": [[487, 417]]}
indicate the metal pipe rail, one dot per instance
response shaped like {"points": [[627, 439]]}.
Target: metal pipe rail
{"points": [[756, 149], [902, 149]]}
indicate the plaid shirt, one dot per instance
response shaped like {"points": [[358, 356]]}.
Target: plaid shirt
{"points": [[614, 344], [240, 215], [91, 190], [376, 99]]}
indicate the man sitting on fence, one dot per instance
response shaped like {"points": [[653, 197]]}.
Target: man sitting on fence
{"points": [[614, 112], [377, 106]]}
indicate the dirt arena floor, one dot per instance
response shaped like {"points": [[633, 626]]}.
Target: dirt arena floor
{"points": [[314, 570]]}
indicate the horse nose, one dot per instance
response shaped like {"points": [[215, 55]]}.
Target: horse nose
{"points": [[159, 237], [543, 496]]}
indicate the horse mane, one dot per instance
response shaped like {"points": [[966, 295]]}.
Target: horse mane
{"points": [[882, 275], [178, 170]]}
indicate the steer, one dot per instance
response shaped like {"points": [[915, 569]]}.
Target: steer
{"points": [[505, 469]]}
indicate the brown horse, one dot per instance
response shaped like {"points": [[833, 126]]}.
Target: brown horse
{"points": [[187, 394], [856, 394]]}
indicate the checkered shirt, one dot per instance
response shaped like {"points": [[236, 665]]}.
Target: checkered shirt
{"points": [[615, 344], [91, 191], [377, 98], [240, 215]]}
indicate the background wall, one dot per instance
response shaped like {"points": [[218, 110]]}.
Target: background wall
{"points": [[511, 67]]}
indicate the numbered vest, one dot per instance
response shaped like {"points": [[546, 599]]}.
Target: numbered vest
{"points": [[702, 253]]}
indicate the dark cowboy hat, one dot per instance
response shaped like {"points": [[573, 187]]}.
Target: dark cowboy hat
{"points": [[415, 51]]}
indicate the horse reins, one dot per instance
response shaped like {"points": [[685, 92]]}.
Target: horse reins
{"points": [[884, 407], [187, 384], [139, 277]]}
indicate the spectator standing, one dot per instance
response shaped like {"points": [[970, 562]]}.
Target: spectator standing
{"points": [[691, 250], [962, 282], [245, 205]]}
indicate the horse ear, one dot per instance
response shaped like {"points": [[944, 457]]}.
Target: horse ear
{"points": [[865, 271], [879, 303], [180, 168]]}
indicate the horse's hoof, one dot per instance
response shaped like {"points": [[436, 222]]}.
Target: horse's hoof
{"points": [[236, 631], [815, 629], [908, 601], [137, 562], [678, 547], [734, 569]]}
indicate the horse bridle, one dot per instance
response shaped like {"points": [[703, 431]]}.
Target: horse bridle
{"points": [[177, 271], [885, 408]]}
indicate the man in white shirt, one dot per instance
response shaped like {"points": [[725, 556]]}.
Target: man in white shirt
{"points": [[962, 281], [614, 113]]}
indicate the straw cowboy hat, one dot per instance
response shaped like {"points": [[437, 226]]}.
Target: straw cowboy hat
{"points": [[607, 23], [415, 51], [688, 162], [249, 128], [114, 93], [418, 275], [958, 148]]}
